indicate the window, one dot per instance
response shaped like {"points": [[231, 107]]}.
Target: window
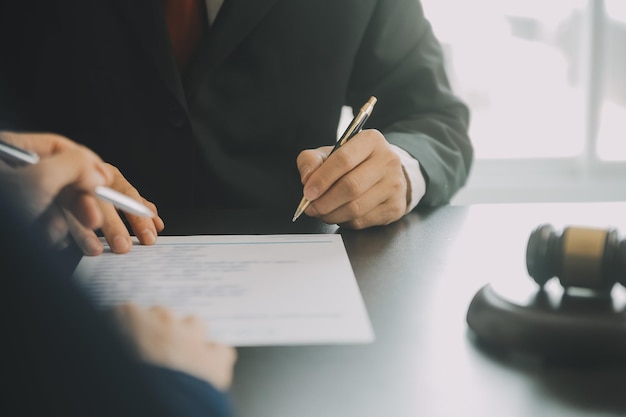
{"points": [[546, 83]]}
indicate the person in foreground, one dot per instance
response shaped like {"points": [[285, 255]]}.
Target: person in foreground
{"points": [[62, 356], [240, 111]]}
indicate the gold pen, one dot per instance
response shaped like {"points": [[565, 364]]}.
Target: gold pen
{"points": [[354, 127]]}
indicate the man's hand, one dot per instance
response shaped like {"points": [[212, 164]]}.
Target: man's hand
{"points": [[362, 184], [177, 343], [113, 228]]}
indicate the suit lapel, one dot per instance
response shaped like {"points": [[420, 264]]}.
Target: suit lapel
{"points": [[235, 20], [146, 21]]}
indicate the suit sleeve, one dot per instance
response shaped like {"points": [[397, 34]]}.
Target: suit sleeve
{"points": [[188, 395], [401, 62]]}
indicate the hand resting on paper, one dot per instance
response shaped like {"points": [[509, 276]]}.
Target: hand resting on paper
{"points": [[113, 228], [180, 343]]}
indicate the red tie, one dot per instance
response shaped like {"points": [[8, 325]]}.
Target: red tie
{"points": [[185, 22]]}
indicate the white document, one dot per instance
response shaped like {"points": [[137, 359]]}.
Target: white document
{"points": [[252, 290]]}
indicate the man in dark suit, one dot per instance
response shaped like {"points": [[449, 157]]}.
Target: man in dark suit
{"points": [[243, 117], [62, 357]]}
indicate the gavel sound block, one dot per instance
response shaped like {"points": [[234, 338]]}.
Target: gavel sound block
{"points": [[578, 309]]}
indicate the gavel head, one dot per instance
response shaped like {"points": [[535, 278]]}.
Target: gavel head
{"points": [[580, 257]]}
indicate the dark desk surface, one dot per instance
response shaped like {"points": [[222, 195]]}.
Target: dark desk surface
{"points": [[417, 278]]}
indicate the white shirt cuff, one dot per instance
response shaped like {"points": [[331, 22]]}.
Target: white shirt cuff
{"points": [[416, 180]]}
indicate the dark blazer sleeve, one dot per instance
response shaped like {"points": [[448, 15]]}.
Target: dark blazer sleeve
{"points": [[401, 61], [188, 395]]}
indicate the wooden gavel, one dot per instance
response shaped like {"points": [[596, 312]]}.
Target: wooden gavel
{"points": [[581, 257]]}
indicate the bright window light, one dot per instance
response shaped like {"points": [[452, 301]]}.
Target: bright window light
{"points": [[517, 63]]}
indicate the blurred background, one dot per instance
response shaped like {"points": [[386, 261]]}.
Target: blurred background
{"points": [[546, 83]]}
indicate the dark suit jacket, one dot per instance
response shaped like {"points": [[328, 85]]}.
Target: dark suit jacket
{"points": [[269, 81], [61, 357]]}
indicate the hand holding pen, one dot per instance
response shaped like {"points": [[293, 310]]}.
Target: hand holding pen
{"points": [[358, 183], [355, 126], [65, 185]]}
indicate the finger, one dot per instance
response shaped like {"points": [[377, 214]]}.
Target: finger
{"points": [[311, 159], [193, 320], [371, 212], [342, 161], [157, 220], [84, 236], [128, 315], [163, 314], [114, 229], [226, 354], [383, 203], [84, 207], [347, 190], [196, 325], [352, 210], [124, 310], [144, 228], [223, 360], [383, 214], [230, 353]]}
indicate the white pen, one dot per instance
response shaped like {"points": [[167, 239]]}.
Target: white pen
{"points": [[14, 154]]}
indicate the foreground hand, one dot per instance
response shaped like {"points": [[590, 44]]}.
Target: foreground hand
{"points": [[177, 343], [113, 228], [63, 180], [362, 184]]}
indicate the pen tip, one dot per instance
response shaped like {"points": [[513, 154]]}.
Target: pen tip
{"points": [[297, 214], [304, 203]]}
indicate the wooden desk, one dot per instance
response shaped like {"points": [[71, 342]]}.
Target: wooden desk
{"points": [[417, 278]]}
